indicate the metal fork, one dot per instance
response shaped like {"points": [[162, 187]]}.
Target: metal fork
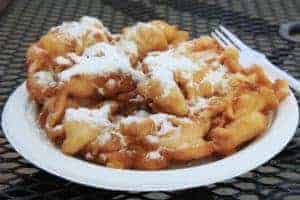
{"points": [[249, 56]]}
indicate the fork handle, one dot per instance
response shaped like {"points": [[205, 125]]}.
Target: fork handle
{"points": [[278, 73]]}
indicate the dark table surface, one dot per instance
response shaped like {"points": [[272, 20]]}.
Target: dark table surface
{"points": [[255, 21]]}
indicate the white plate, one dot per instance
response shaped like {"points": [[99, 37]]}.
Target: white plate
{"points": [[26, 137]]}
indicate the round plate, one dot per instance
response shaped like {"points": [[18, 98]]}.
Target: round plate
{"points": [[22, 131]]}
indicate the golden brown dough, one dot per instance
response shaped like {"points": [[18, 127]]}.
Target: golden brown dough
{"points": [[146, 98], [188, 142], [144, 161], [226, 140], [173, 102], [152, 36], [78, 134], [63, 39]]}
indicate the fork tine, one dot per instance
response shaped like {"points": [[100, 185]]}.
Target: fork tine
{"points": [[237, 42], [223, 38], [223, 45]]}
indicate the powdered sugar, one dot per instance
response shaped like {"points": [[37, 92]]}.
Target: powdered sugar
{"points": [[217, 77], [68, 60], [154, 155], [131, 119], [152, 139], [166, 127], [76, 30], [159, 118], [170, 60], [104, 49], [104, 137], [98, 117], [112, 59], [131, 32], [111, 83], [74, 57], [162, 65], [129, 46], [121, 137], [208, 55], [57, 127], [60, 60], [44, 78], [137, 98], [198, 104], [128, 41], [163, 124], [137, 117], [165, 77], [142, 25]]}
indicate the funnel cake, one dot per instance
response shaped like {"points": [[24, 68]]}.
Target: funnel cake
{"points": [[146, 98]]}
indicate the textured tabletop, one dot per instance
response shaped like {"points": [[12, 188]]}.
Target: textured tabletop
{"points": [[255, 21]]}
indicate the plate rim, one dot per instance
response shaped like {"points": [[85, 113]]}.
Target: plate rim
{"points": [[173, 179]]}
